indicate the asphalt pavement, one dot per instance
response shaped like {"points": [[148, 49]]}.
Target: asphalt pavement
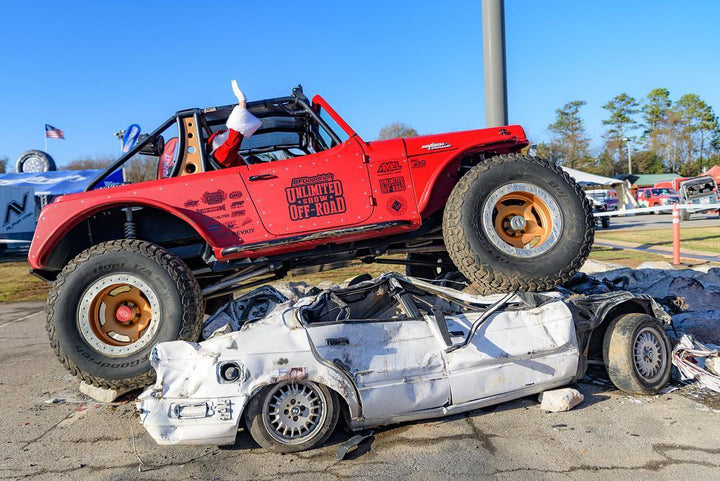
{"points": [[660, 221], [52, 432]]}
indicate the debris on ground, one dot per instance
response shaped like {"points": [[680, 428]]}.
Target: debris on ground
{"points": [[712, 364], [100, 394], [55, 401], [351, 444], [690, 357], [559, 400]]}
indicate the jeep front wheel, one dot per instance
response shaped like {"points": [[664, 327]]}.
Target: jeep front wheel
{"points": [[517, 222], [112, 303]]}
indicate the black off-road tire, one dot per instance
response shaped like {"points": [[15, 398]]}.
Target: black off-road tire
{"points": [[181, 307], [621, 339], [481, 261], [254, 420], [38, 157]]}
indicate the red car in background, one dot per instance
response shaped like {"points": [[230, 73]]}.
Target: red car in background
{"points": [[657, 197]]}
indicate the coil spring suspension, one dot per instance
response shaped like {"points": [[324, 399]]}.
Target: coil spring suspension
{"points": [[129, 226]]}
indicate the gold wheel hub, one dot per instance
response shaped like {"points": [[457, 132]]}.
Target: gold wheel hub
{"points": [[523, 220], [119, 314]]}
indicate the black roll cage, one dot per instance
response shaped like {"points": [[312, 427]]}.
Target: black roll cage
{"points": [[297, 98]]}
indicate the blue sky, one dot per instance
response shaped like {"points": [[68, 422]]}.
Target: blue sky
{"points": [[91, 68]]}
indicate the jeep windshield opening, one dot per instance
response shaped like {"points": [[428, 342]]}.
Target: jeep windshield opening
{"points": [[291, 127]]}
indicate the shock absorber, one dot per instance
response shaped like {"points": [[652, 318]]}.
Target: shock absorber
{"points": [[129, 226]]}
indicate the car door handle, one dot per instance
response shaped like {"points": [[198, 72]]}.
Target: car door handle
{"points": [[254, 178], [337, 341]]}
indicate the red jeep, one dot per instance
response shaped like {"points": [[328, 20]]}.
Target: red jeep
{"points": [[138, 264]]}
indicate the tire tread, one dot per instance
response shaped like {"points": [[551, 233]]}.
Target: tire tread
{"points": [[185, 283], [485, 278]]}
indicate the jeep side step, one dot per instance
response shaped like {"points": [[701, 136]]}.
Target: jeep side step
{"points": [[314, 236]]}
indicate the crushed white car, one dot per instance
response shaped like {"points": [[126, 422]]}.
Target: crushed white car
{"points": [[389, 350]]}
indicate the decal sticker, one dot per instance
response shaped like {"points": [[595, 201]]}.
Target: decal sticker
{"points": [[223, 216], [389, 167], [236, 194], [396, 205], [207, 210], [315, 196], [392, 184], [20, 210], [246, 231], [191, 203], [436, 146], [418, 163], [246, 222], [237, 213], [212, 198], [231, 224], [236, 204]]}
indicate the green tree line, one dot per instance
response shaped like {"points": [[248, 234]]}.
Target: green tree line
{"points": [[681, 136]]}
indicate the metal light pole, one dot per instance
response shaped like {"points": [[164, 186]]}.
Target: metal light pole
{"points": [[493, 35], [627, 142]]}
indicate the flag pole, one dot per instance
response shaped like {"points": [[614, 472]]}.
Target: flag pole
{"points": [[45, 135]]}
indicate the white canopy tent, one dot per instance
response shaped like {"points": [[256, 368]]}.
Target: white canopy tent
{"points": [[625, 200]]}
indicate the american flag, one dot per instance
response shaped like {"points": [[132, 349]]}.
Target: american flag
{"points": [[53, 132]]}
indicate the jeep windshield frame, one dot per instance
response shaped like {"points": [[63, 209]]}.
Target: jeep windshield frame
{"points": [[295, 107]]}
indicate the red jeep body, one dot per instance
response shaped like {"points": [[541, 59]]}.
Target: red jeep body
{"points": [[352, 191], [138, 264]]}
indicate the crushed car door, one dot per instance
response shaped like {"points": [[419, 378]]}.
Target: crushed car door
{"points": [[513, 350], [397, 364], [320, 191]]}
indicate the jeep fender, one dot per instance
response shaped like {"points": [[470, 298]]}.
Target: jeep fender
{"points": [[59, 218], [433, 196]]}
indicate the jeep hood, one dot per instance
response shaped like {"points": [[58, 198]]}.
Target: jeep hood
{"points": [[512, 135]]}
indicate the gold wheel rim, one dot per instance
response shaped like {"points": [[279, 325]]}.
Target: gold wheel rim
{"points": [[110, 308], [538, 222]]}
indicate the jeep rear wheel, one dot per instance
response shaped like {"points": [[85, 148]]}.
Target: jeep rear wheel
{"points": [[518, 222], [112, 303]]}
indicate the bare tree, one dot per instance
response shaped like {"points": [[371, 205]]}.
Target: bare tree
{"points": [[141, 168], [396, 130], [84, 163]]}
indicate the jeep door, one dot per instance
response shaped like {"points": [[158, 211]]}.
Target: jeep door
{"points": [[321, 191]]}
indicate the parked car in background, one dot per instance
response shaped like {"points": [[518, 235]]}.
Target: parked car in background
{"points": [[656, 197], [701, 190], [603, 200]]}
